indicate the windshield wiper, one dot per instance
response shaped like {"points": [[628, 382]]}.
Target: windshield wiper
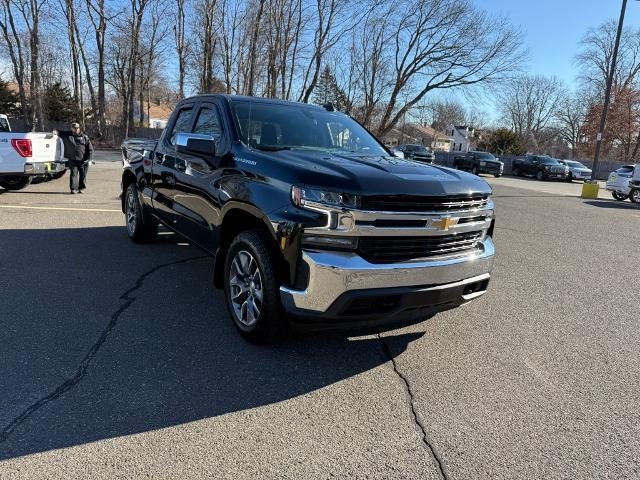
{"points": [[271, 148]]}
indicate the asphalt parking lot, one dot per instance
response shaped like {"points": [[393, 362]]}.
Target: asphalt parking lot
{"points": [[118, 360]]}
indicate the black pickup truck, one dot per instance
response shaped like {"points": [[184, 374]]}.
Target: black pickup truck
{"points": [[540, 166], [310, 220]]}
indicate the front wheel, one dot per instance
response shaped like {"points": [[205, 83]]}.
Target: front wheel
{"points": [[139, 228], [540, 175], [497, 175], [252, 289], [15, 182], [619, 196], [634, 195], [474, 170], [570, 178], [516, 172]]}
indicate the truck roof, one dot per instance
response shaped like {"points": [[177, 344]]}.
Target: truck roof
{"points": [[245, 98]]}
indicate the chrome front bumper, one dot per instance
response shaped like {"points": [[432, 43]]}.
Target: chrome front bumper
{"points": [[331, 274]]}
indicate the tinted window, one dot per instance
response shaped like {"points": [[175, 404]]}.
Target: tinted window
{"points": [[272, 125], [4, 125], [416, 149], [625, 169], [208, 123], [549, 161], [484, 156], [182, 124]]}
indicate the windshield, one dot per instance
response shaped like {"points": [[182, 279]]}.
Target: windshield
{"points": [[571, 163], [549, 161], [416, 149], [271, 126], [484, 156]]}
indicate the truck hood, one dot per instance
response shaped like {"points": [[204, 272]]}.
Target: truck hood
{"points": [[371, 175]]}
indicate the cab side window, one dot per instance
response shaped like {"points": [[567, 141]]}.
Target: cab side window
{"points": [[208, 123], [181, 125]]}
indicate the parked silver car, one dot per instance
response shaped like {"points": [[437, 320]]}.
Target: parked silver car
{"points": [[577, 171]]}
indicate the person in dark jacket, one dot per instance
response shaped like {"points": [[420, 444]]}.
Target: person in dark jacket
{"points": [[78, 152]]}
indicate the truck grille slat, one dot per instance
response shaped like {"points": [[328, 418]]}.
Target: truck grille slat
{"points": [[418, 203], [399, 249]]}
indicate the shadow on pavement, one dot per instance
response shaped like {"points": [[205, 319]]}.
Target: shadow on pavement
{"points": [[613, 204], [101, 338]]}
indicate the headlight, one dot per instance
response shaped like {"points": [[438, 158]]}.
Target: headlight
{"points": [[308, 196], [547, 167]]}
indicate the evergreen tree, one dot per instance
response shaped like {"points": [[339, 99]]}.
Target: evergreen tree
{"points": [[502, 142], [9, 100], [328, 91], [59, 104]]}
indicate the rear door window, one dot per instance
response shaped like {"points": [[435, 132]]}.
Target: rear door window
{"points": [[208, 123]]}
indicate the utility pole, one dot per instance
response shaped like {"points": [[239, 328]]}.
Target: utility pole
{"points": [[607, 93]]}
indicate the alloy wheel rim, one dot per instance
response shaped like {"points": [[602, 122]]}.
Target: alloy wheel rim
{"points": [[245, 288], [131, 213]]}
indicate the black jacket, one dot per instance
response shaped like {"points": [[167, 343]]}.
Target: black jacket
{"points": [[77, 148]]}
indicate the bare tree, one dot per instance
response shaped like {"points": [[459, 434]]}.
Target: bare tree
{"points": [[528, 104], [570, 116], [17, 51], [594, 58], [181, 47], [100, 19], [441, 44]]}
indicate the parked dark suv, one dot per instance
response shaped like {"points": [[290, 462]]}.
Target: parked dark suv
{"points": [[479, 162], [540, 166]]}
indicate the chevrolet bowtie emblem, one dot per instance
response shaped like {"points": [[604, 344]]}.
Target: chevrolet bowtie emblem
{"points": [[444, 223]]}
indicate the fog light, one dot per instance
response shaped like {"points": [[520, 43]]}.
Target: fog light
{"points": [[330, 242]]}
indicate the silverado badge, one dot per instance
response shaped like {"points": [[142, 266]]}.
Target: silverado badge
{"points": [[444, 223]]}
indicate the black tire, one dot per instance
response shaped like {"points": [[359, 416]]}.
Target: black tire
{"points": [[474, 170], [516, 172], [634, 195], [141, 228], [270, 324], [15, 182], [456, 166], [619, 196], [497, 175], [540, 175], [58, 175], [570, 178]]}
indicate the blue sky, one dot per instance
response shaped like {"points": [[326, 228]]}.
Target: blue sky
{"points": [[552, 29]]}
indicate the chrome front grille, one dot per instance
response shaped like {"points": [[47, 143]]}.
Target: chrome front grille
{"points": [[402, 249], [419, 203]]}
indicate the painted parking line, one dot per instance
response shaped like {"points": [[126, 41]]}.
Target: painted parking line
{"points": [[23, 207]]}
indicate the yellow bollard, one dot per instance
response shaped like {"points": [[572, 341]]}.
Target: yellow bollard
{"points": [[590, 189]]}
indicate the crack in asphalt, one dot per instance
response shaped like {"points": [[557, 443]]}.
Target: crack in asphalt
{"points": [[407, 387], [85, 363]]}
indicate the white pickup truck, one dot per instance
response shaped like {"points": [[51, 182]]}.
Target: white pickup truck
{"points": [[28, 156]]}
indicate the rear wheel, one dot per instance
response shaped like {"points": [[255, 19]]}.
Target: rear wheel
{"points": [[252, 289], [474, 170], [634, 195], [14, 182], [140, 228], [619, 196]]}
